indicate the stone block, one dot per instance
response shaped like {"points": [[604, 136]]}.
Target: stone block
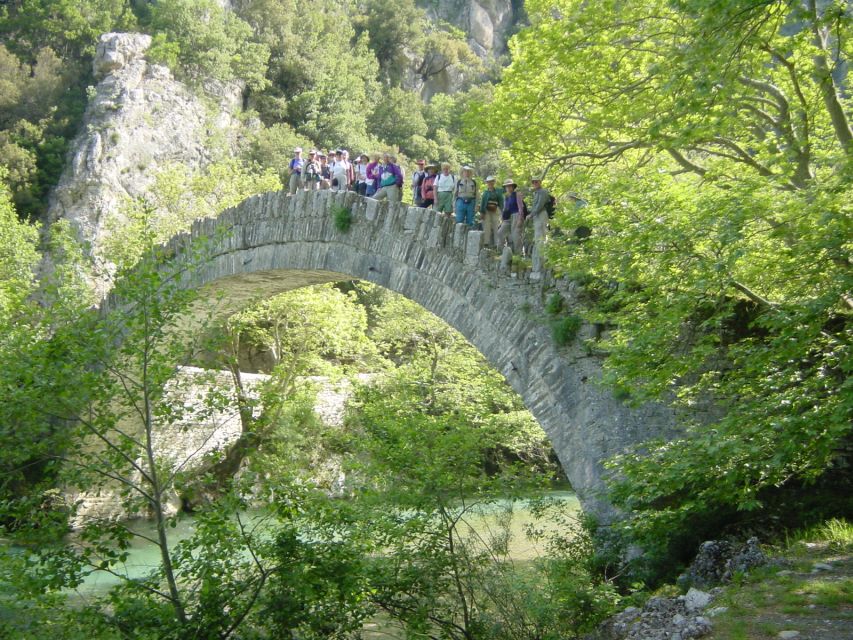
{"points": [[472, 247]]}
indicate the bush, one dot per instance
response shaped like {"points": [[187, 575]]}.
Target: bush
{"points": [[554, 304], [565, 329], [343, 218]]}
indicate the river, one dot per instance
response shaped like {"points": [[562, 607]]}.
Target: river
{"points": [[145, 556]]}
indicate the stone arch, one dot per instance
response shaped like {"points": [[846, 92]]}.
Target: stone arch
{"points": [[274, 242]]}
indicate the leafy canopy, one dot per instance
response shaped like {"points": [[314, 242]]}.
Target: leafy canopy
{"points": [[710, 145]]}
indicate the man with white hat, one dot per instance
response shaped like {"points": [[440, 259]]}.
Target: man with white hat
{"points": [[295, 168], [491, 205]]}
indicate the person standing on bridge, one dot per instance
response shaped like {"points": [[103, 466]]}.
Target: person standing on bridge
{"points": [[445, 185], [417, 180], [295, 168], [373, 169], [491, 205], [325, 172], [360, 171], [539, 214], [311, 172], [512, 217], [390, 181], [428, 186], [465, 197], [341, 171]]}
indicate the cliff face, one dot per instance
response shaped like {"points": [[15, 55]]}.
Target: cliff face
{"points": [[139, 118], [487, 23]]}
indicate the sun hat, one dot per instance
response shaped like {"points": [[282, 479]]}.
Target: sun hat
{"points": [[313, 152], [490, 178], [509, 183]]}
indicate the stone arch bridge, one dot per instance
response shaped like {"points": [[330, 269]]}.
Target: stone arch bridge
{"points": [[274, 242]]}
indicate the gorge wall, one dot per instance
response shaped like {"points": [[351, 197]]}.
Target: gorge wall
{"points": [[139, 119]]}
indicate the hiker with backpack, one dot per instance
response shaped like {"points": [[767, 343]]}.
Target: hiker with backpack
{"points": [[428, 186], [491, 205], [311, 172], [465, 197], [512, 217], [445, 186], [539, 212], [295, 169], [417, 180]]}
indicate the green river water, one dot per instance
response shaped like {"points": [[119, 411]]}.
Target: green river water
{"points": [[145, 556]]}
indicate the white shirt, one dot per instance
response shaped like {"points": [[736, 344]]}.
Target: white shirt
{"points": [[340, 168], [445, 182], [361, 172]]}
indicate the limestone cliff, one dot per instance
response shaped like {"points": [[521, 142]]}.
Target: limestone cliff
{"points": [[488, 23], [139, 118]]}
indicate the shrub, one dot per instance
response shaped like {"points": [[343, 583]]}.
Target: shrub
{"points": [[565, 329], [554, 304], [343, 218]]}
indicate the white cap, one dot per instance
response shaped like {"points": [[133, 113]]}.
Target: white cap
{"points": [[297, 150], [490, 178]]}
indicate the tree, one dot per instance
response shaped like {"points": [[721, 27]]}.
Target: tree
{"points": [[69, 27], [711, 143], [208, 42], [322, 76], [308, 331]]}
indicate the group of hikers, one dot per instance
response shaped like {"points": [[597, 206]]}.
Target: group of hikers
{"points": [[503, 211]]}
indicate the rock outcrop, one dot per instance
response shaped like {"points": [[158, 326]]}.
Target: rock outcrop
{"points": [[487, 23], [718, 561], [139, 118], [677, 618]]}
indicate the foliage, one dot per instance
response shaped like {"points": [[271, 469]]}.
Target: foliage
{"points": [[18, 259], [322, 77], [565, 329], [207, 41], [272, 148], [343, 218], [712, 141], [34, 344], [37, 112], [69, 27]]}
